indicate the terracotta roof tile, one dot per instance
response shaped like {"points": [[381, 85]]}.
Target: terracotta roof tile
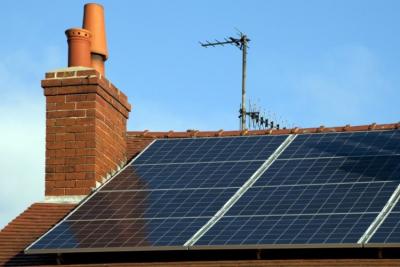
{"points": [[25, 229], [321, 129]]}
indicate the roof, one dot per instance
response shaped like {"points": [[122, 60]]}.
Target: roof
{"points": [[40, 217], [25, 229]]}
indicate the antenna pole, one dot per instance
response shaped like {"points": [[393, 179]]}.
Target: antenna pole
{"points": [[241, 43], [244, 67]]}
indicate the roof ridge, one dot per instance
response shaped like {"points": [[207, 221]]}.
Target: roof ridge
{"points": [[321, 129]]}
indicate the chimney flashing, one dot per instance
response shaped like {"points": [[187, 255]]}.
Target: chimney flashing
{"points": [[63, 199]]}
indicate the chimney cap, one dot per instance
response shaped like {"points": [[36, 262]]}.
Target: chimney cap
{"points": [[78, 32]]}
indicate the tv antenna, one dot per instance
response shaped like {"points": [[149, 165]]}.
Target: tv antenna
{"points": [[240, 43]]}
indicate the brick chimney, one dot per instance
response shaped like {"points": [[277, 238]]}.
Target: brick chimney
{"points": [[86, 119]]}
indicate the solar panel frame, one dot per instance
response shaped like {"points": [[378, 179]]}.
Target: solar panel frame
{"points": [[327, 198], [209, 241]]}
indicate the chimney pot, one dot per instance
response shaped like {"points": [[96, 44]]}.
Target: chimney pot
{"points": [[93, 21], [78, 47]]}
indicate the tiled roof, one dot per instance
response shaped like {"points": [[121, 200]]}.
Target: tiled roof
{"points": [[40, 217], [25, 229]]}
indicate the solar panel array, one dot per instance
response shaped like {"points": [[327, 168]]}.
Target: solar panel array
{"points": [[164, 196], [323, 189]]}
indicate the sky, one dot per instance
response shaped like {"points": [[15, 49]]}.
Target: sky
{"points": [[310, 63]]}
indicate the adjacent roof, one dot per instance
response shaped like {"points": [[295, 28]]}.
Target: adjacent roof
{"points": [[40, 217]]}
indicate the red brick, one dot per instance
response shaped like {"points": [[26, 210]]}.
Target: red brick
{"points": [[84, 136], [55, 99], [65, 114], [75, 176], [60, 106], [86, 105], [50, 83], [77, 191], [55, 161], [64, 184], [85, 168], [85, 183], [65, 137], [80, 97], [87, 73], [55, 191], [75, 144], [55, 145], [50, 137]]}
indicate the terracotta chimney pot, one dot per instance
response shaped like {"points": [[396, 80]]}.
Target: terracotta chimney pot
{"points": [[93, 20], [78, 47]]}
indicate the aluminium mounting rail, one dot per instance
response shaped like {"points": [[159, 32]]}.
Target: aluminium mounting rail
{"points": [[380, 218], [256, 175]]}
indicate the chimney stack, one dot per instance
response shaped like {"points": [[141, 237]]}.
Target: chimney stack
{"points": [[86, 115], [93, 21]]}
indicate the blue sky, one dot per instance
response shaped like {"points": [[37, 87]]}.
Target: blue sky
{"points": [[310, 63]]}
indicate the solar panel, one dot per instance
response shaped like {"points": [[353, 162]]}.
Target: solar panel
{"points": [[319, 183], [314, 199], [268, 231], [187, 175], [153, 204], [344, 145], [161, 199], [211, 149], [118, 235], [332, 170]]}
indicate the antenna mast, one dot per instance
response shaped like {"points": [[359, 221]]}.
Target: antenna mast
{"points": [[241, 43]]}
